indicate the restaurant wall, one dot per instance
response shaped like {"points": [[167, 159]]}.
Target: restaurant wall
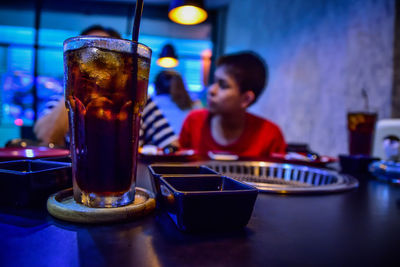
{"points": [[321, 54]]}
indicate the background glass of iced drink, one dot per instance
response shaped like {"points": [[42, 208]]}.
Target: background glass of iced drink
{"points": [[361, 127], [105, 89]]}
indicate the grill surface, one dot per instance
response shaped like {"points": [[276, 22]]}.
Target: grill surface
{"points": [[284, 178]]}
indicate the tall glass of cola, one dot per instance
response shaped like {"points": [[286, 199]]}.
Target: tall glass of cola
{"points": [[105, 89]]}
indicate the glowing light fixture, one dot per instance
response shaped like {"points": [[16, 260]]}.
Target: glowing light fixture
{"points": [[168, 57], [187, 12]]}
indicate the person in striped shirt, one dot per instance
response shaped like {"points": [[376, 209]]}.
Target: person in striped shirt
{"points": [[52, 126], [155, 129]]}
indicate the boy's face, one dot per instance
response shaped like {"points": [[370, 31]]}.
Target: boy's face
{"points": [[224, 96]]}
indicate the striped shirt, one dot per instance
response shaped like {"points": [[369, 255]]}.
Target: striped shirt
{"points": [[155, 129]]}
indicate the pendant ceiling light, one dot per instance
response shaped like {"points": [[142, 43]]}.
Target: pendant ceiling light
{"points": [[168, 57], [188, 12]]}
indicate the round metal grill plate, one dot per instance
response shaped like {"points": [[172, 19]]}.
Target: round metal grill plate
{"points": [[284, 178]]}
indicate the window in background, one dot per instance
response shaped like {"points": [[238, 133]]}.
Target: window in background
{"points": [[16, 68], [16, 73], [190, 61]]}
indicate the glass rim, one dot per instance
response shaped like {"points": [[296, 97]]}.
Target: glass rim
{"points": [[103, 38]]}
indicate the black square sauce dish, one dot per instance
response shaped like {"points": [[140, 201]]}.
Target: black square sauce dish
{"points": [[197, 203], [29, 182]]}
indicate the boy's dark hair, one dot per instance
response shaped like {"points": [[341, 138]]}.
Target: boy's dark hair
{"points": [[113, 33], [248, 69]]}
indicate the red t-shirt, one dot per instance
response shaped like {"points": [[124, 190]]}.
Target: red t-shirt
{"points": [[259, 139]]}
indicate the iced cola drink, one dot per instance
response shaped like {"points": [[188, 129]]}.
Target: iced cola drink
{"points": [[361, 128], [106, 90]]}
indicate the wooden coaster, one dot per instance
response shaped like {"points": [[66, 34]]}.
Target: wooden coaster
{"points": [[63, 206]]}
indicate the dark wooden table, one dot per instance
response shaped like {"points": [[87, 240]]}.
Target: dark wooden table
{"points": [[356, 228]]}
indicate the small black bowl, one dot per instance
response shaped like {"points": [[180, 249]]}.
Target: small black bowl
{"points": [[173, 169], [197, 203], [356, 165], [26, 183], [158, 170]]}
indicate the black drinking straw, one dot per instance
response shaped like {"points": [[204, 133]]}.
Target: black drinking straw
{"points": [[135, 57], [135, 38], [136, 22]]}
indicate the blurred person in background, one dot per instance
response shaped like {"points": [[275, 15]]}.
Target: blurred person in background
{"points": [[173, 98], [52, 127], [226, 126]]}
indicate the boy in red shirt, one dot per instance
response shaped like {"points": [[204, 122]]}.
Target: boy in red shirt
{"points": [[226, 125]]}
